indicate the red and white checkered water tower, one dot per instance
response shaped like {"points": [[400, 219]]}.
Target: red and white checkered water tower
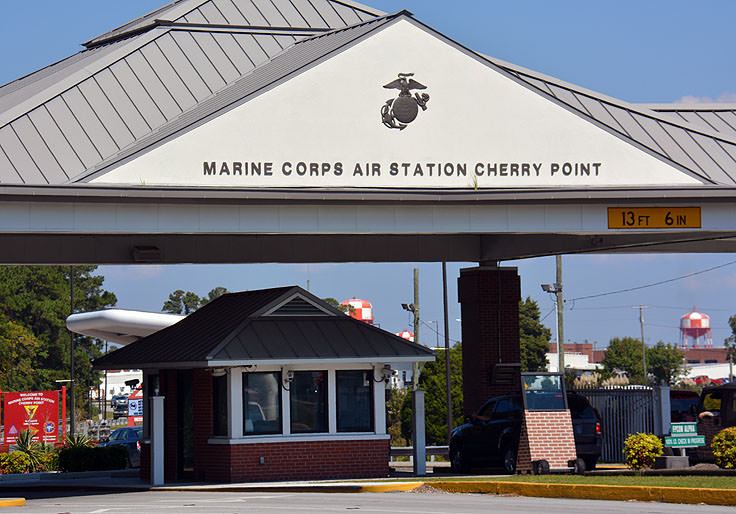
{"points": [[409, 336], [361, 310], [695, 326]]}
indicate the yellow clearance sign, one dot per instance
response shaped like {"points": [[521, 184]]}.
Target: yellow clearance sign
{"points": [[653, 217]]}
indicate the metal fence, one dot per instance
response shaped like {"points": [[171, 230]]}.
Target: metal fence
{"points": [[624, 410]]}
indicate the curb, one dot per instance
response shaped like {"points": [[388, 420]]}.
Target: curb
{"points": [[314, 488], [595, 492], [12, 502]]}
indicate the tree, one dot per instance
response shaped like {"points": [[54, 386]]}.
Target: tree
{"points": [[181, 302], [34, 304], [665, 362], [185, 303], [624, 354], [18, 346], [534, 337], [347, 309], [432, 380], [213, 294]]}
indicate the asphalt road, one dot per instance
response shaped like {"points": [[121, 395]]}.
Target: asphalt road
{"points": [[287, 503]]}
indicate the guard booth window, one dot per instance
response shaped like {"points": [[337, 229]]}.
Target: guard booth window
{"points": [[261, 403], [219, 405], [308, 392], [354, 401]]}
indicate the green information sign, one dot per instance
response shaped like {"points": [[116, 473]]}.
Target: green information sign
{"points": [[683, 429], [688, 441]]}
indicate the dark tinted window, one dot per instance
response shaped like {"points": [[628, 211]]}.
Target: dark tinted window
{"points": [[543, 392], [580, 408], [487, 409], [219, 405], [354, 401], [309, 402], [505, 409], [262, 403]]}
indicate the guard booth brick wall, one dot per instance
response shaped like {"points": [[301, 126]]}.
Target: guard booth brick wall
{"points": [[545, 435], [298, 460], [489, 304]]}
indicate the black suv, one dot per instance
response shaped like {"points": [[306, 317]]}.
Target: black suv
{"points": [[491, 438]]}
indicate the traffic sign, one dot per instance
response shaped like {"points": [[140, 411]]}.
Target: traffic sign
{"points": [[687, 441], [683, 429]]}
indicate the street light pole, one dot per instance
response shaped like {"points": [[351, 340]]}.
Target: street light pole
{"points": [[643, 344], [560, 325]]}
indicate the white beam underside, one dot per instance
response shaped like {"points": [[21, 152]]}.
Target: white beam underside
{"points": [[118, 218]]}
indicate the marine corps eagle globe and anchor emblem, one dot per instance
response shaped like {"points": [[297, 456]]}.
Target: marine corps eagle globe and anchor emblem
{"points": [[398, 112]]}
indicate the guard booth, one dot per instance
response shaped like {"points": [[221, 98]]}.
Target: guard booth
{"points": [[272, 384]]}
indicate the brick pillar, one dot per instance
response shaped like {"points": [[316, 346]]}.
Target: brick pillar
{"points": [[203, 423], [168, 389], [489, 302]]}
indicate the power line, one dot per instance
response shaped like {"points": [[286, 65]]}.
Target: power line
{"points": [[659, 283]]}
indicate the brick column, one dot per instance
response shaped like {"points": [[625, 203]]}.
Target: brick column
{"points": [[168, 389], [489, 302], [203, 423]]}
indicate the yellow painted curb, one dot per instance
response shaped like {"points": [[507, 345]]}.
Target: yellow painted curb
{"points": [[12, 502], [596, 492], [388, 487]]}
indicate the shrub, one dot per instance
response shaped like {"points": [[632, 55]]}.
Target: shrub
{"points": [[724, 448], [641, 449], [36, 452], [14, 462], [85, 458]]}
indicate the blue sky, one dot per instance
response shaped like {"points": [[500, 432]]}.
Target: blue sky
{"points": [[639, 51]]}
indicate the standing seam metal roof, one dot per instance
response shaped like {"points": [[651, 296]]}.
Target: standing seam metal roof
{"points": [[233, 328], [706, 153], [295, 58], [65, 119]]}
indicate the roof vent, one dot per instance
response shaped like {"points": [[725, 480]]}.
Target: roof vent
{"points": [[298, 306]]}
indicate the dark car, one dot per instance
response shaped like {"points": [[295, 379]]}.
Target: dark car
{"points": [[120, 410], [491, 438], [130, 437], [118, 399]]}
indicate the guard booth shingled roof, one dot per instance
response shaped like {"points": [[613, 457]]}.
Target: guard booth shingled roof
{"points": [[284, 325]]}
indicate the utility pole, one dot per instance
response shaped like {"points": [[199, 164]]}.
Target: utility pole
{"points": [[415, 368], [560, 325], [448, 386], [643, 344]]}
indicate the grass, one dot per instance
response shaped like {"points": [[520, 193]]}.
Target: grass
{"points": [[703, 482]]}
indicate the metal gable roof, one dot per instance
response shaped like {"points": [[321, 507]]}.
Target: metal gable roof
{"points": [[235, 328], [300, 56], [276, 13], [62, 120], [700, 150], [718, 117], [175, 67]]}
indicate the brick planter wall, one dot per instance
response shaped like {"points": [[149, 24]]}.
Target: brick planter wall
{"points": [[296, 461], [545, 435]]}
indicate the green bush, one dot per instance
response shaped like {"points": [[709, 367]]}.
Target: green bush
{"points": [[85, 458], [724, 448], [641, 449], [14, 462]]}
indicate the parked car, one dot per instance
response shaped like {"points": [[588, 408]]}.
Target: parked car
{"points": [[118, 399], [120, 410], [130, 437], [683, 405], [491, 436]]}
